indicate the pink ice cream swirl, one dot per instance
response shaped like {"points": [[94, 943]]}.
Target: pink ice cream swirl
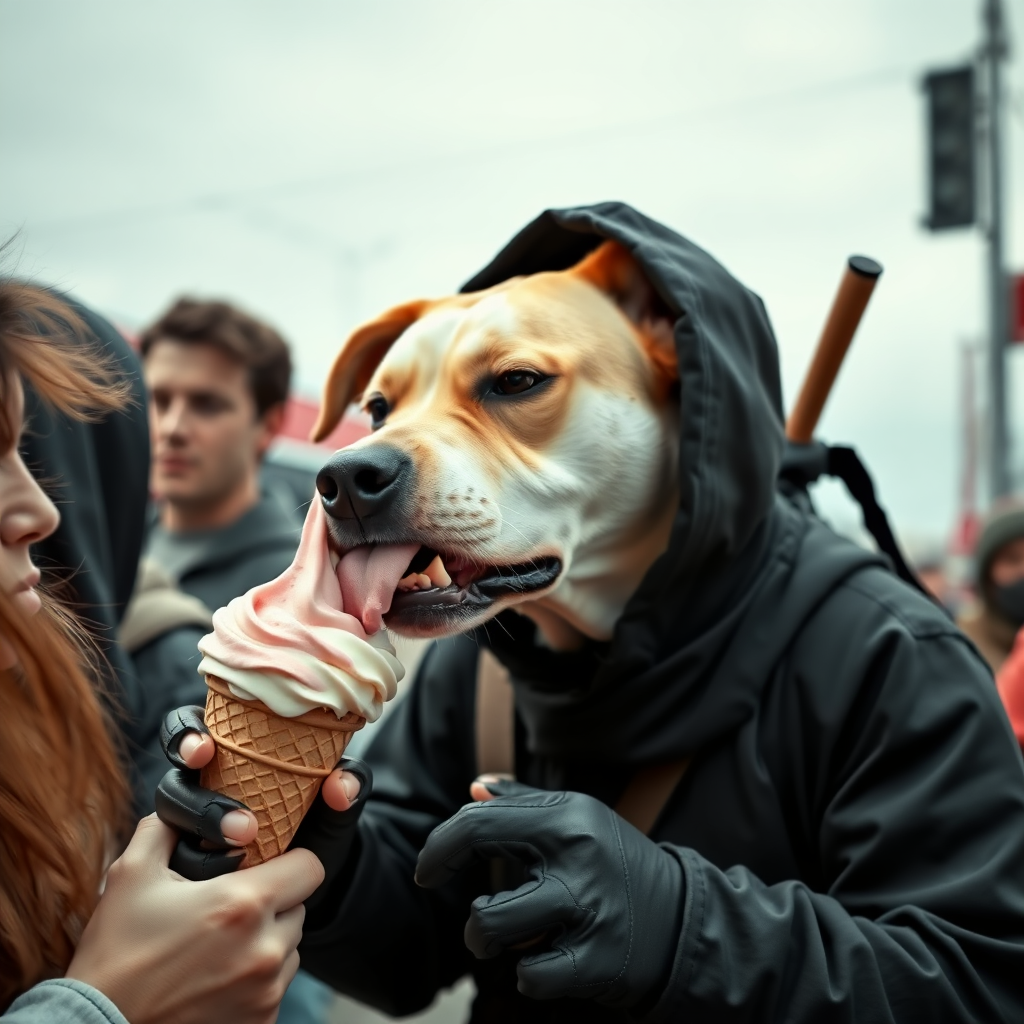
{"points": [[290, 643]]}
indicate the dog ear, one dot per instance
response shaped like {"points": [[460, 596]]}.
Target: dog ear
{"points": [[612, 268], [357, 360]]}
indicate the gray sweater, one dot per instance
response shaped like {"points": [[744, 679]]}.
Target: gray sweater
{"points": [[62, 1001]]}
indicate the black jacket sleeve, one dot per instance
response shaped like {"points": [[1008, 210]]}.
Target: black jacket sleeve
{"points": [[900, 772], [98, 474], [166, 678], [390, 943]]}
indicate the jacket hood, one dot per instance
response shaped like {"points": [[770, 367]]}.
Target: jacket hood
{"points": [[744, 567], [731, 428], [101, 471], [99, 474]]}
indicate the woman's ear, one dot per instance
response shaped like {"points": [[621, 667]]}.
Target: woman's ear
{"points": [[359, 357], [612, 268]]}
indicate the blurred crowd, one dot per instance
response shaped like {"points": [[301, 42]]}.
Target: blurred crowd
{"points": [[985, 595]]}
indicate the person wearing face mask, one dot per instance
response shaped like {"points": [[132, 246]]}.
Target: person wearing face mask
{"points": [[153, 948], [997, 624], [993, 622]]}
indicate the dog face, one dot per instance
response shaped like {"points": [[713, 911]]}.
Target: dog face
{"points": [[525, 436]]}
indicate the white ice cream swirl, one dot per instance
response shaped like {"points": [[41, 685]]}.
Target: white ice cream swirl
{"points": [[290, 645]]}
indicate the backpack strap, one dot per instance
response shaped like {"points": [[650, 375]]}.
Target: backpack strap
{"points": [[158, 607], [495, 718], [803, 464], [646, 794]]}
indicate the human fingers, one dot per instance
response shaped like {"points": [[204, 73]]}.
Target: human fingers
{"points": [[341, 789], [182, 803], [291, 968], [484, 787], [331, 834], [198, 865], [266, 1007], [151, 845], [175, 726], [196, 750], [495, 784], [239, 827], [509, 920], [287, 880], [287, 926]]}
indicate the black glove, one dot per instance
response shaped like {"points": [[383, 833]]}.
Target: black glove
{"points": [[607, 901], [334, 837], [202, 852]]}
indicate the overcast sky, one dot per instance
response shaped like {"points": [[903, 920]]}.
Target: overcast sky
{"points": [[319, 161]]}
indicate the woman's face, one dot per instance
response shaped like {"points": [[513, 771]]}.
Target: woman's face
{"points": [[26, 514]]}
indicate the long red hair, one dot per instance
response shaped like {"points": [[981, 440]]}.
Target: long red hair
{"points": [[64, 800]]}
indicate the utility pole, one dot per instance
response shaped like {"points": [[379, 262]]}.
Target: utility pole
{"points": [[993, 53], [965, 113], [969, 453]]}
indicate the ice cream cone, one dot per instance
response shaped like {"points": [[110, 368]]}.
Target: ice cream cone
{"points": [[274, 765]]}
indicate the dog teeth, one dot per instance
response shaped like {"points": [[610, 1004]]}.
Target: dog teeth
{"points": [[437, 574], [433, 576], [334, 557], [415, 581]]}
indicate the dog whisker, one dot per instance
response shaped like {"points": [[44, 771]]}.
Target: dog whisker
{"points": [[498, 622]]}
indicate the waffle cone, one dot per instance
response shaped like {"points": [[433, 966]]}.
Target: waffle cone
{"points": [[273, 765]]}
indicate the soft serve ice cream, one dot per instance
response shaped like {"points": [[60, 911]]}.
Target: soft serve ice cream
{"points": [[293, 669], [313, 637]]}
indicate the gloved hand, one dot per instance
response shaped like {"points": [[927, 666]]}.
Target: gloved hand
{"points": [[203, 852], [606, 902]]}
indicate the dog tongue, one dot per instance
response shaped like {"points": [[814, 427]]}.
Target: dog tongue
{"points": [[369, 576]]}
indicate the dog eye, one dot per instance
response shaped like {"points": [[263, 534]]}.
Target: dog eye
{"points": [[515, 382], [378, 409]]}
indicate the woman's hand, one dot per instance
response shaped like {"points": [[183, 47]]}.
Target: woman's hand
{"points": [[163, 949]]}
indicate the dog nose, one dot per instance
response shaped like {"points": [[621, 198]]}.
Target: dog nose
{"points": [[360, 484]]}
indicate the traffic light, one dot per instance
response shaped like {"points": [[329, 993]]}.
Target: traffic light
{"points": [[951, 144]]}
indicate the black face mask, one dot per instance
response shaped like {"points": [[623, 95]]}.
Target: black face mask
{"points": [[1009, 601]]}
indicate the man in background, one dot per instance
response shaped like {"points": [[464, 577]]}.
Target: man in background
{"points": [[217, 380]]}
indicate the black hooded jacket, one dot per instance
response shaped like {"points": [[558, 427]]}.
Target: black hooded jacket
{"points": [[851, 827], [98, 475]]}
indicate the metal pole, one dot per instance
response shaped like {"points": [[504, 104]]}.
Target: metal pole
{"points": [[969, 423], [993, 53]]}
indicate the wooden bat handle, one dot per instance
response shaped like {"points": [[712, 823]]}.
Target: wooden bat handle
{"points": [[854, 291]]}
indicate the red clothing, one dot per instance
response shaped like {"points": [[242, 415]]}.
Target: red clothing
{"points": [[1010, 682]]}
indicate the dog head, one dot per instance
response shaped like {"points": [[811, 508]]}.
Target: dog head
{"points": [[524, 436]]}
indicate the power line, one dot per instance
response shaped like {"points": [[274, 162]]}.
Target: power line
{"points": [[229, 201]]}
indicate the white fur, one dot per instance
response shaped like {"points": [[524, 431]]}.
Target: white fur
{"points": [[601, 497]]}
